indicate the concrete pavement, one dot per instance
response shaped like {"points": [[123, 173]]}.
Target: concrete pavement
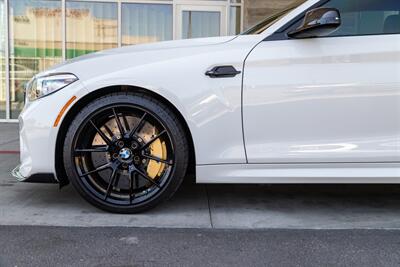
{"points": [[9, 139], [200, 206]]}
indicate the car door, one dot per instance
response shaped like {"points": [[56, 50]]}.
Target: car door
{"points": [[332, 99]]}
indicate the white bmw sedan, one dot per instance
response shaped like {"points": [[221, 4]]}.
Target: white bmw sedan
{"points": [[310, 95]]}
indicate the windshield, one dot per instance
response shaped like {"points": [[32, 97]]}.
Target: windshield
{"points": [[266, 23]]}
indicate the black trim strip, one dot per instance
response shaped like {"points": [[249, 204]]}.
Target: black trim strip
{"points": [[42, 178], [305, 163], [223, 72]]}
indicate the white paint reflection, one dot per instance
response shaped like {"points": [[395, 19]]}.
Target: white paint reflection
{"points": [[323, 148], [216, 104], [368, 149]]}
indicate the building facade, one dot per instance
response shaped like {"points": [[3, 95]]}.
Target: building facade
{"points": [[37, 34]]}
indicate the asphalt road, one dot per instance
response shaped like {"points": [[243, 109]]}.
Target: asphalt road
{"points": [[112, 247]]}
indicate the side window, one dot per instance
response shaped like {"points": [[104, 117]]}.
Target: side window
{"points": [[367, 17]]}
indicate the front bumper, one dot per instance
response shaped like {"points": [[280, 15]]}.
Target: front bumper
{"points": [[38, 136], [46, 178]]}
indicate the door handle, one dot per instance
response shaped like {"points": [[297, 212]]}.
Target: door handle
{"points": [[223, 72]]}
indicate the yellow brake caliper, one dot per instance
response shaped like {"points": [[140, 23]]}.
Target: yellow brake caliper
{"points": [[158, 149]]}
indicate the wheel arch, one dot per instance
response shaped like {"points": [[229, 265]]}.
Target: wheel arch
{"points": [[74, 110]]}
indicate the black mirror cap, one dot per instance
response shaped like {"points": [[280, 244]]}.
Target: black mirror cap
{"points": [[318, 22]]}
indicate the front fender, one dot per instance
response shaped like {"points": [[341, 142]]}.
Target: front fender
{"points": [[210, 107]]}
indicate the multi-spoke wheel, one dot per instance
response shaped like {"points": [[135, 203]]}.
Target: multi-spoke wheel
{"points": [[126, 153]]}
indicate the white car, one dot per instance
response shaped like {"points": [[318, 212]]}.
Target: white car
{"points": [[310, 95]]}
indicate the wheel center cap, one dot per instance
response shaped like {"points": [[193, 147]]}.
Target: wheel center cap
{"points": [[125, 153]]}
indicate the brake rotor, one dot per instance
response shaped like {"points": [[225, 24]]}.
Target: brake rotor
{"points": [[158, 149]]}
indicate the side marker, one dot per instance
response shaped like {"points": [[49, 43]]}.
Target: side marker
{"points": [[62, 111]]}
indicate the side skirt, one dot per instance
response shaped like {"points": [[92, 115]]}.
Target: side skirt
{"points": [[307, 173]]}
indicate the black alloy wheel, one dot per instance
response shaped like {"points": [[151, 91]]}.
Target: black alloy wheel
{"points": [[126, 153]]}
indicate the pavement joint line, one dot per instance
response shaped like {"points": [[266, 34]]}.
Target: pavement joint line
{"points": [[9, 142], [219, 228], [209, 206]]}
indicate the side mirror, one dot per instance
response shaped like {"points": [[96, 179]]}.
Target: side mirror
{"points": [[317, 23]]}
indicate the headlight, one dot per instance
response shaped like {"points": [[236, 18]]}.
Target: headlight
{"points": [[41, 86]]}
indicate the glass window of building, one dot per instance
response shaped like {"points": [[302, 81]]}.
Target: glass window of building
{"points": [[235, 20], [198, 24], [35, 44], [91, 26], [3, 94], [146, 23]]}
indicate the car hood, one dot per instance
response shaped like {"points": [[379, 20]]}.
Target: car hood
{"points": [[127, 52]]}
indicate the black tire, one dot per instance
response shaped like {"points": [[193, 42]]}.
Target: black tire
{"points": [[91, 185]]}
